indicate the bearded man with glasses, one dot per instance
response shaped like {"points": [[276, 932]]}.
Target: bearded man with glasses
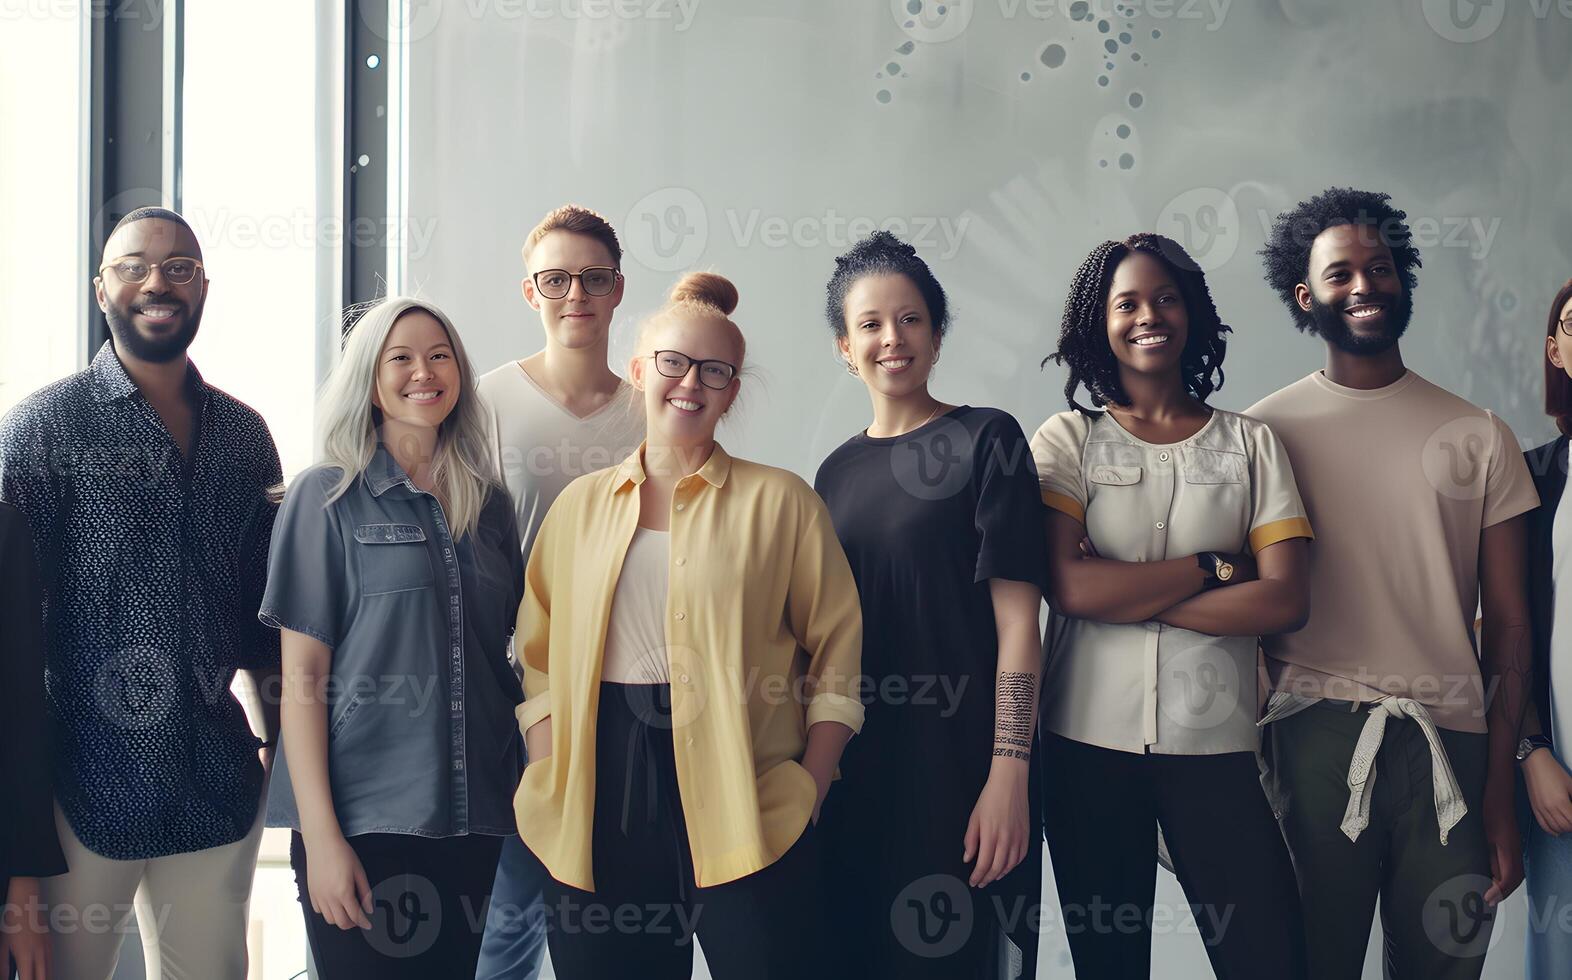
{"points": [[147, 491]]}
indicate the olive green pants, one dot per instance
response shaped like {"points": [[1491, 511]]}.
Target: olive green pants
{"points": [[1433, 913]]}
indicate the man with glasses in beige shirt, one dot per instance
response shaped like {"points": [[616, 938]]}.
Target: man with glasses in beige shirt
{"points": [[1390, 737]]}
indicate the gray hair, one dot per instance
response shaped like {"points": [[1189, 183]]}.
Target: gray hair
{"points": [[464, 465]]}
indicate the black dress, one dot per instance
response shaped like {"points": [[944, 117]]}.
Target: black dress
{"points": [[29, 846], [926, 519]]}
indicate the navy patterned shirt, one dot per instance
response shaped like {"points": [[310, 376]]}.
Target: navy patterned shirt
{"points": [[152, 568]]}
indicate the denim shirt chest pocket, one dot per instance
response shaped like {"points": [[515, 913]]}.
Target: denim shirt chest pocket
{"points": [[392, 558]]}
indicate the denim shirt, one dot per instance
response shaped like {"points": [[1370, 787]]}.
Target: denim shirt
{"points": [[421, 735]]}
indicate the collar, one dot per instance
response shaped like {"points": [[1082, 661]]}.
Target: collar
{"points": [[631, 472], [111, 382], [383, 472]]}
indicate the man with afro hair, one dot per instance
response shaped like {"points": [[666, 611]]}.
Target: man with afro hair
{"points": [[1390, 756]]}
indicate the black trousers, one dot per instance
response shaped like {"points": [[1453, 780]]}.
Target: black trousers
{"points": [[429, 900], [646, 908], [1101, 817]]}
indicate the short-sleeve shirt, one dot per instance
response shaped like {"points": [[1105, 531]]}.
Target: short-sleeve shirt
{"points": [[927, 519], [421, 738], [1149, 686], [1400, 482]]}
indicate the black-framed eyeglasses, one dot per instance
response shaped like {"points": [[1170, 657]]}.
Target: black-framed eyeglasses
{"points": [[597, 280], [712, 373], [177, 269], [1566, 326]]}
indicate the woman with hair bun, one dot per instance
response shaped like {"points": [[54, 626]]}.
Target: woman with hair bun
{"points": [[690, 635], [933, 855]]}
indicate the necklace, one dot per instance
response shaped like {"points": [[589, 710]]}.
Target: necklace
{"points": [[913, 428]]}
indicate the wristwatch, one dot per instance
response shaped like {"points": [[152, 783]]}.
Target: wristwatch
{"points": [[1218, 570], [1527, 745]]}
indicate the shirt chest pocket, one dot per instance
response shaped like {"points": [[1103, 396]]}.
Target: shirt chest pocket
{"points": [[393, 558], [1205, 467], [1113, 475]]}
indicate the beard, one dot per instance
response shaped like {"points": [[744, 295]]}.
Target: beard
{"points": [[153, 350], [1327, 323]]}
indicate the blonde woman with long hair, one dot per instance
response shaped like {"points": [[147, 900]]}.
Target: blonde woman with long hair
{"points": [[394, 575], [690, 635]]}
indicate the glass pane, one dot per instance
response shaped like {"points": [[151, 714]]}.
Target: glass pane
{"points": [[42, 293], [250, 193]]}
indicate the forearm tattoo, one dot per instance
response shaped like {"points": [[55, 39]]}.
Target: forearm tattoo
{"points": [[1014, 717]]}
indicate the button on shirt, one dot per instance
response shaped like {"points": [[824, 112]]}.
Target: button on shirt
{"points": [[421, 738], [763, 638], [152, 566], [1149, 686]]}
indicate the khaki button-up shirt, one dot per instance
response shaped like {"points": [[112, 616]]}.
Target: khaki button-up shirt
{"points": [[764, 640], [1148, 686]]}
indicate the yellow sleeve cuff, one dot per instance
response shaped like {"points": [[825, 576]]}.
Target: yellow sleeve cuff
{"points": [[1065, 505], [533, 710], [829, 706], [1269, 534]]}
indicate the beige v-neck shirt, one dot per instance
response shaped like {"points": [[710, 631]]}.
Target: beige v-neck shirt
{"points": [[541, 447]]}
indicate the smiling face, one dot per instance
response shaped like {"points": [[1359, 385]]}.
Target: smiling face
{"points": [[889, 336], [417, 380], [1353, 291], [684, 410], [1148, 323], [154, 320], [577, 320]]}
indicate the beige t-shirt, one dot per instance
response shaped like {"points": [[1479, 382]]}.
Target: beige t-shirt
{"points": [[541, 447], [1148, 686], [1399, 482]]}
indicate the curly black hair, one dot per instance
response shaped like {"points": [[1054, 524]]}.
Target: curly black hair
{"points": [[1083, 334], [881, 253], [1286, 253]]}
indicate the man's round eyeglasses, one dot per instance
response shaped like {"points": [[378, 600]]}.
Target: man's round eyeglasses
{"points": [[177, 270], [597, 280]]}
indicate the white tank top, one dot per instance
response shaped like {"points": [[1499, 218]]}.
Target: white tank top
{"points": [[636, 633]]}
